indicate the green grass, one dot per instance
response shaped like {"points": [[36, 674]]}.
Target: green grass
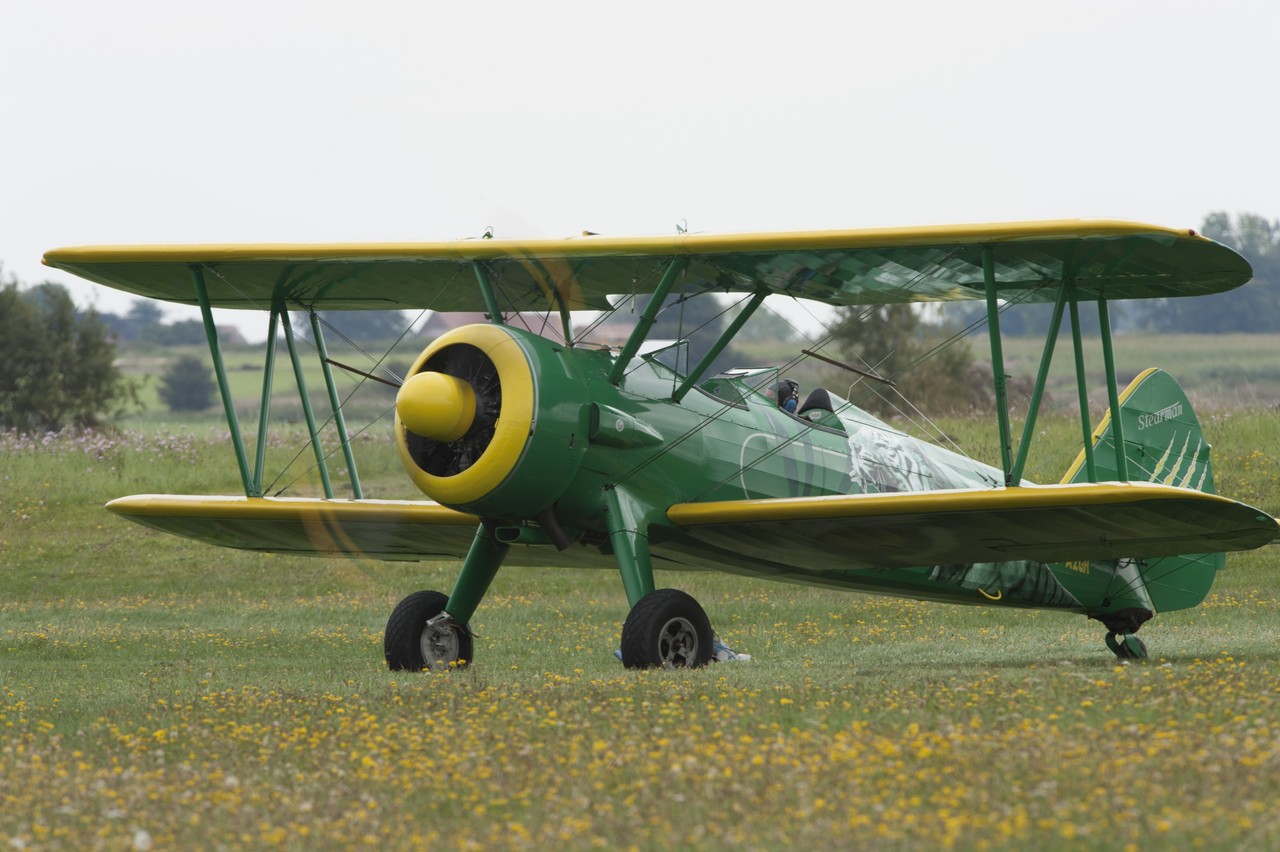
{"points": [[157, 692], [1217, 371]]}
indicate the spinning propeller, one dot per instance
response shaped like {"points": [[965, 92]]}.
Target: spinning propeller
{"points": [[450, 408]]}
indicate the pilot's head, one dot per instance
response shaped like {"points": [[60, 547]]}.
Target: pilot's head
{"points": [[787, 394]]}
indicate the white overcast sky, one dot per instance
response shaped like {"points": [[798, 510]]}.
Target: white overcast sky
{"points": [[167, 122]]}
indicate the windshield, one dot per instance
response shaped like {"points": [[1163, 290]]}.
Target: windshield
{"points": [[672, 354]]}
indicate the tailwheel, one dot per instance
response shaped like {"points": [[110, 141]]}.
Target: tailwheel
{"points": [[666, 628], [1127, 646], [421, 635]]}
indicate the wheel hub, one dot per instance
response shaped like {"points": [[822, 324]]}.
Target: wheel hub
{"points": [[678, 643], [439, 643]]}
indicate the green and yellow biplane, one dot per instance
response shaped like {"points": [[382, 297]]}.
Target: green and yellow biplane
{"points": [[542, 449]]}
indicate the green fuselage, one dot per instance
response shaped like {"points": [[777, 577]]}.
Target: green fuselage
{"points": [[726, 440]]}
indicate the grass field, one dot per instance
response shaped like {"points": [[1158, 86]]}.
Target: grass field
{"points": [[244, 365], [159, 694], [1220, 371]]}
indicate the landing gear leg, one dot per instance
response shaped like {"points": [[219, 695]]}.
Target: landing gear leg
{"points": [[628, 535], [478, 570]]}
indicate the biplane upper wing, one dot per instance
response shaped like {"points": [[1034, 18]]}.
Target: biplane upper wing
{"points": [[1105, 259], [1056, 523]]}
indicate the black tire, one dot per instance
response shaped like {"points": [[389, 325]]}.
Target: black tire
{"points": [[405, 638], [668, 629]]}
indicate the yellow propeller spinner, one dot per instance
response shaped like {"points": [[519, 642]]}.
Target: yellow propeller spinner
{"points": [[436, 406]]}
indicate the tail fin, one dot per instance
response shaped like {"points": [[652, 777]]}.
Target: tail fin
{"points": [[1162, 438], [1162, 443]]}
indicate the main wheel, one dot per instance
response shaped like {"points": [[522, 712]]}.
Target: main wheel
{"points": [[411, 644], [666, 628]]}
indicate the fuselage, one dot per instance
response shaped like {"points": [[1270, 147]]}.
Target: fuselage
{"points": [[727, 440], [641, 434]]}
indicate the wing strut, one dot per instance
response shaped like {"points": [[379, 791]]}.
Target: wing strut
{"points": [[219, 371], [1037, 392], [251, 478], [1082, 391], [487, 292], [716, 348], [305, 399], [646, 320], [339, 421], [1067, 298], [1113, 395], [997, 365], [264, 407]]}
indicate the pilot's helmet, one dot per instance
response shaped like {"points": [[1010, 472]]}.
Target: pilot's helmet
{"points": [[787, 392]]}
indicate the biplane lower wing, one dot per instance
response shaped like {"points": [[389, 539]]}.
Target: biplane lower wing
{"points": [[397, 530], [1059, 523], [384, 529], [1042, 523]]}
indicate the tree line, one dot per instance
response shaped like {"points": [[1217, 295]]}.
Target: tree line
{"points": [[57, 363], [1254, 308]]}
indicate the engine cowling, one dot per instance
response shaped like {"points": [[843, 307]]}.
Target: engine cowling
{"points": [[492, 420]]}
